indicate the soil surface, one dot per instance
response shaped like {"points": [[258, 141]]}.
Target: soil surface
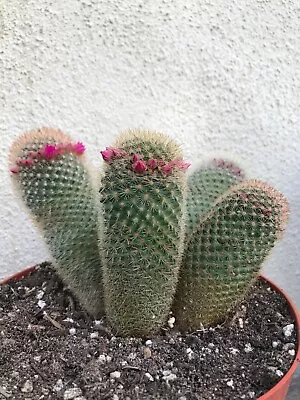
{"points": [[52, 349]]}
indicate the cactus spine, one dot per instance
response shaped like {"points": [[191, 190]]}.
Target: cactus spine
{"points": [[206, 182], [51, 176], [143, 198], [225, 253]]}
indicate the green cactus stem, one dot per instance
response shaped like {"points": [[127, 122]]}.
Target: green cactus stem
{"points": [[52, 177], [225, 254], [143, 198], [206, 183]]}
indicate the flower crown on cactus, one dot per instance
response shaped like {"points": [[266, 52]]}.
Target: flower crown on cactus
{"points": [[147, 238]]}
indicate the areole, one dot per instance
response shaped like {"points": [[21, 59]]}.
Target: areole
{"points": [[280, 390]]}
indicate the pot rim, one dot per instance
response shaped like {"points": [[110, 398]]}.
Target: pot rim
{"points": [[283, 381]]}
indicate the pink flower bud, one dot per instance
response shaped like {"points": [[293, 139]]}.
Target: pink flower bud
{"points": [[135, 158], [107, 154], [49, 151], [21, 161], [15, 170], [180, 164], [167, 169], [139, 166], [118, 153], [29, 162], [183, 165], [160, 163], [79, 148], [152, 163]]}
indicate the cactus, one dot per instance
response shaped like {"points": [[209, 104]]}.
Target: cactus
{"points": [[143, 197], [206, 182], [226, 252], [52, 177], [144, 261]]}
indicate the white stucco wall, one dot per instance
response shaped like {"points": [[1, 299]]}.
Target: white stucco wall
{"points": [[213, 74]]}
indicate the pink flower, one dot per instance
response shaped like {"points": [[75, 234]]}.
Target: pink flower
{"points": [[186, 165], [220, 163], [135, 158], [139, 166], [15, 170], [107, 154], [118, 153], [236, 170], [152, 163], [180, 164], [161, 163], [49, 151], [29, 162], [61, 148], [26, 162], [21, 161], [79, 148], [111, 153], [167, 169], [33, 154]]}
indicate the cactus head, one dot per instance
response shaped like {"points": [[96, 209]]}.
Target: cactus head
{"points": [[143, 198], [52, 178], [225, 254]]}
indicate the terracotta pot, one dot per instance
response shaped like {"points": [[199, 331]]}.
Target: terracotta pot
{"points": [[280, 390]]}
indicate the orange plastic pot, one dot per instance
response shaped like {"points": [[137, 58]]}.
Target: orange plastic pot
{"points": [[280, 390]]}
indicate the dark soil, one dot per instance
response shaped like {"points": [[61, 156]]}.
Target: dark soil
{"points": [[51, 349]]}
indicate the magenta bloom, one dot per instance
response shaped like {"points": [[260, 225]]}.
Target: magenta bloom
{"points": [[21, 161], [15, 170], [136, 158], [79, 148], [118, 153], [111, 153], [139, 166], [24, 162], [180, 164], [107, 154], [49, 151], [167, 169], [29, 162], [152, 163]]}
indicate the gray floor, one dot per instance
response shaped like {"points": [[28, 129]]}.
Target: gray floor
{"points": [[294, 392]]}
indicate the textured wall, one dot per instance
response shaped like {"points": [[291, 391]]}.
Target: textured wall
{"points": [[213, 74]]}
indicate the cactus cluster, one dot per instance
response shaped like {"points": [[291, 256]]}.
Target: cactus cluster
{"points": [[145, 237]]}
